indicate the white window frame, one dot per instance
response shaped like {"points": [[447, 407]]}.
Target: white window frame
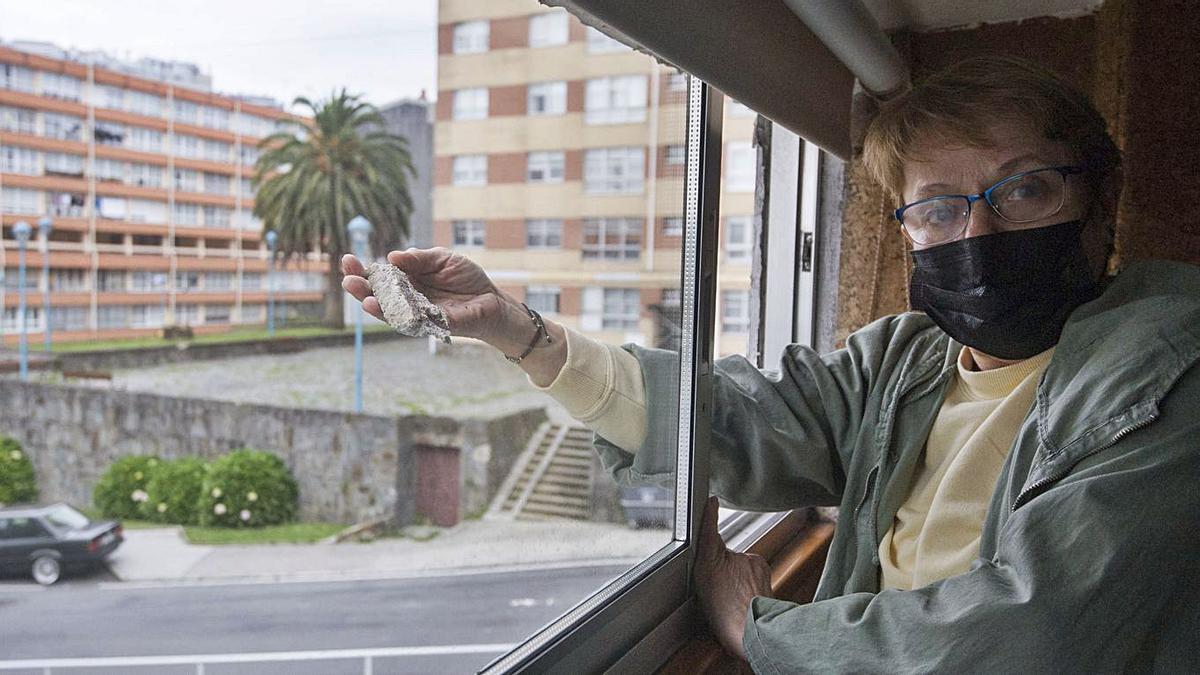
{"points": [[469, 170], [627, 233], [546, 166], [735, 311], [740, 161], [615, 99], [468, 233], [546, 300], [470, 104], [546, 98], [549, 29], [738, 248], [543, 233], [471, 37], [618, 170]]}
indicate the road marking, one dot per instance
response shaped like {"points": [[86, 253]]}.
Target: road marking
{"points": [[255, 657], [329, 577]]}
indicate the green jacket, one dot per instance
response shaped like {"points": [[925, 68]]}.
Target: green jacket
{"points": [[1089, 557]]}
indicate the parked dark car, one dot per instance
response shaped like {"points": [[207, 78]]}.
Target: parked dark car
{"points": [[46, 540], [648, 506]]}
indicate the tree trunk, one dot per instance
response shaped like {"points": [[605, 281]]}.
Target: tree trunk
{"points": [[334, 295]]}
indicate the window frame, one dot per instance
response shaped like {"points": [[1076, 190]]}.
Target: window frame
{"points": [[552, 35], [645, 614], [466, 36]]}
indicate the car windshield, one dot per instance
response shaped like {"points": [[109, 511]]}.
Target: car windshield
{"points": [[66, 518]]}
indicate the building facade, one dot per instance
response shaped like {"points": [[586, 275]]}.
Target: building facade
{"points": [[559, 161], [413, 119], [147, 185]]}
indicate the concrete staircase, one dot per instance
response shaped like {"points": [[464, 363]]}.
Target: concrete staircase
{"points": [[551, 480]]}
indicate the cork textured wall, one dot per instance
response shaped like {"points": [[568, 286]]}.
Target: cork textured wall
{"points": [[1137, 59]]}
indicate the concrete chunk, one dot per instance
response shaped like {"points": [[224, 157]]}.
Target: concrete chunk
{"points": [[404, 307]]}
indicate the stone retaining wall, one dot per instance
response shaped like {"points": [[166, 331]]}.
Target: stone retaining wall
{"points": [[350, 467]]}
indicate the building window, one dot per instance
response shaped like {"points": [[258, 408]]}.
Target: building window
{"points": [[676, 155], [187, 180], [146, 211], [614, 170], [187, 281], [187, 112], [218, 281], [23, 120], [12, 319], [216, 151], [110, 280], [68, 318], [68, 280], [543, 299], [217, 313], [145, 140], [471, 104], [545, 167], [612, 238], [737, 238], [471, 37], [20, 200], [62, 164], [547, 98], [145, 175], [57, 85], [735, 311], [252, 281], [249, 153], [599, 43], [107, 133], [148, 282], [143, 103], [621, 309], [146, 316], [15, 159], [217, 216], [673, 226], [615, 100], [16, 78], [214, 118], [546, 30], [470, 170], [543, 233], [677, 82], [187, 315], [739, 167], [468, 233], [186, 214], [187, 146], [112, 316], [217, 184]]}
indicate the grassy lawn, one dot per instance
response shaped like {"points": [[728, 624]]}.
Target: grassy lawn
{"points": [[237, 335], [290, 533]]}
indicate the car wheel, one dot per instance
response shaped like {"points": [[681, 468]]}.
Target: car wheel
{"points": [[46, 570]]}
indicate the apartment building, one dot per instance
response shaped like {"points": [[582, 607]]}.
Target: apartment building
{"points": [[559, 164], [145, 176]]}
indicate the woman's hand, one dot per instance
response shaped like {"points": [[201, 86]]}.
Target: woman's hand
{"points": [[473, 305], [726, 582]]}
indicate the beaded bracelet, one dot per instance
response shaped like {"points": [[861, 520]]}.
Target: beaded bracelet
{"points": [[538, 333]]}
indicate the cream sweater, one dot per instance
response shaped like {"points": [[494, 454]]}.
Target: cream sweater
{"points": [[936, 531]]}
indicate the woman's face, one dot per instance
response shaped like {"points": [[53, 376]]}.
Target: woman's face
{"points": [[940, 169]]}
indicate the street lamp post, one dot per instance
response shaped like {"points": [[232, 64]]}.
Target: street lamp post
{"points": [[44, 227], [360, 230], [22, 231], [272, 238]]}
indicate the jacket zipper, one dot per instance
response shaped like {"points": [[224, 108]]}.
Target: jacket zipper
{"points": [[1028, 492]]}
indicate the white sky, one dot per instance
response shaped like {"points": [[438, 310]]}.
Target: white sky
{"points": [[384, 49]]}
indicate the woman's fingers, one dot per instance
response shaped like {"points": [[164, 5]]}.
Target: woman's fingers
{"points": [[351, 265], [356, 286]]}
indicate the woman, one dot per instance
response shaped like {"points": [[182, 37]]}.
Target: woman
{"points": [[1014, 465]]}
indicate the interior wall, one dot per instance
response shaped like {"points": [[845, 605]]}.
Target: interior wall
{"points": [[1138, 60]]}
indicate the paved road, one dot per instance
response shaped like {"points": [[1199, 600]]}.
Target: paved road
{"points": [[89, 617]]}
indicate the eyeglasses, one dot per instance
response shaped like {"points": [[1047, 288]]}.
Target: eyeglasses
{"points": [[1021, 198]]}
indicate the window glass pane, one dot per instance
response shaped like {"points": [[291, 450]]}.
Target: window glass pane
{"points": [[547, 98], [471, 37], [471, 104], [548, 29]]}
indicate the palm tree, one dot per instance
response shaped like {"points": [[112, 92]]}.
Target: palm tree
{"points": [[313, 177]]}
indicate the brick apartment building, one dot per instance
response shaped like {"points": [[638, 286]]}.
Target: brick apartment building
{"points": [[145, 175], [559, 166]]}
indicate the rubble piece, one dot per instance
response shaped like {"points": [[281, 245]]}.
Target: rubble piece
{"points": [[404, 307]]}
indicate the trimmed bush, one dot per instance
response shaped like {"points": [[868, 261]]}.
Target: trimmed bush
{"points": [[173, 491], [18, 485], [121, 489], [247, 488]]}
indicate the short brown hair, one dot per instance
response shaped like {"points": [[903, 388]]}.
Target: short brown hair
{"points": [[958, 104]]}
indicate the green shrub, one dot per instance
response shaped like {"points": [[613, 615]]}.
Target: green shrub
{"points": [[173, 492], [121, 489], [17, 482], [247, 488]]}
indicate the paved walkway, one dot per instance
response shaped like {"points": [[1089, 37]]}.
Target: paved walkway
{"points": [[162, 555]]}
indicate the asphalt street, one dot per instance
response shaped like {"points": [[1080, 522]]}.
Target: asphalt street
{"points": [[449, 622]]}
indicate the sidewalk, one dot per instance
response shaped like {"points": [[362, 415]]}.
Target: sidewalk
{"points": [[162, 555]]}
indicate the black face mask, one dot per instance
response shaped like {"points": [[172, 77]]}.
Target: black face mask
{"points": [[1006, 294]]}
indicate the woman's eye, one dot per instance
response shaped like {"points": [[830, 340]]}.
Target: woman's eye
{"points": [[938, 215], [1028, 189]]}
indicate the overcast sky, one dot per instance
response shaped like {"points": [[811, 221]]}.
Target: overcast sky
{"points": [[384, 49]]}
